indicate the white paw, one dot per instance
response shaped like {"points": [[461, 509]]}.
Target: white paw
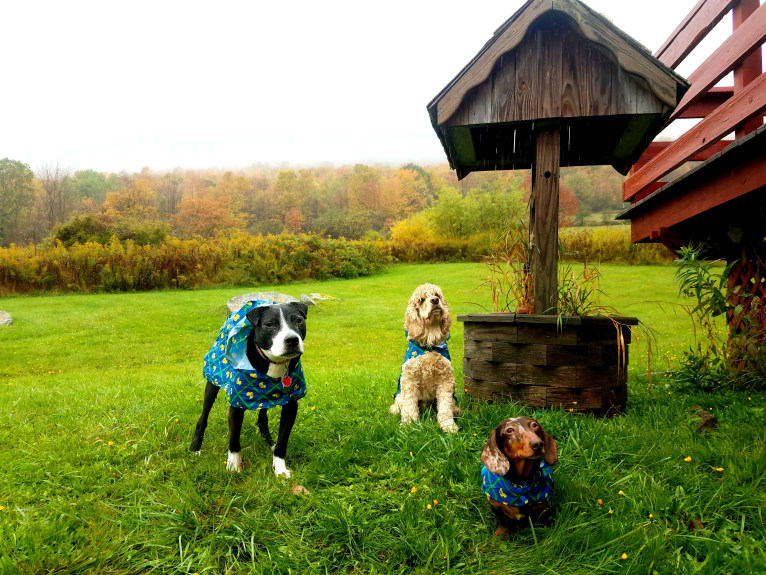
{"points": [[234, 461], [450, 427], [280, 469], [197, 452], [394, 409]]}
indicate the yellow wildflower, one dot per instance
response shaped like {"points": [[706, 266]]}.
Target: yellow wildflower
{"points": [[2, 507], [620, 492], [414, 490], [599, 502], [719, 469], [624, 556], [688, 459], [611, 512], [651, 516], [176, 420], [436, 503], [429, 507], [313, 408], [110, 443]]}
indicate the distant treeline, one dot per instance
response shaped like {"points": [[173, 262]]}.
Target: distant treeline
{"points": [[243, 259], [359, 202]]}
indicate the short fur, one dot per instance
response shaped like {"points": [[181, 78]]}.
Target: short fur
{"points": [[278, 332], [514, 449], [428, 377]]}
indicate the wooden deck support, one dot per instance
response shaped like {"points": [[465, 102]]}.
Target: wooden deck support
{"points": [[544, 220]]}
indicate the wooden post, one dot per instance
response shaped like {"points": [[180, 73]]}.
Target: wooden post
{"points": [[544, 219]]}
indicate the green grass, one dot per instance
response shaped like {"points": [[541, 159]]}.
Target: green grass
{"points": [[80, 372]]}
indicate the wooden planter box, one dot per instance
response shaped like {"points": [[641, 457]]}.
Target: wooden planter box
{"points": [[540, 361]]}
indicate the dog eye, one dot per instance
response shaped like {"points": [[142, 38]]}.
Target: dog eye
{"points": [[533, 425], [298, 319], [422, 299]]}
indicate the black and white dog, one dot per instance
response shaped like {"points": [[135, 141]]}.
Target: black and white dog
{"points": [[274, 345]]}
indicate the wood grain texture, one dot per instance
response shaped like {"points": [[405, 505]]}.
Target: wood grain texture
{"points": [[528, 87], [663, 83], [543, 220]]}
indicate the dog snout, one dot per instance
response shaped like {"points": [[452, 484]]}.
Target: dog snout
{"points": [[292, 341], [536, 445], [435, 300]]}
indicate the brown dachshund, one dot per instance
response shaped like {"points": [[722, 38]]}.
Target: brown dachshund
{"points": [[517, 476]]}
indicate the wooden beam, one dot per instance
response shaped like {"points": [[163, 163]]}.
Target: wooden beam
{"points": [[656, 148], [741, 107], [544, 220], [751, 67], [708, 102], [749, 36], [701, 20], [713, 192]]}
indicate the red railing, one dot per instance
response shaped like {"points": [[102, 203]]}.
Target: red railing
{"points": [[723, 110]]}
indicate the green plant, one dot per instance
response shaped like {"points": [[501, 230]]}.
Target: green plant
{"points": [[510, 281], [727, 358]]}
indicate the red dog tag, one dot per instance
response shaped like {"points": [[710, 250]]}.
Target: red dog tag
{"points": [[287, 381]]}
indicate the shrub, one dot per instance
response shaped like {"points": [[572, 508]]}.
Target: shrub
{"points": [[175, 263]]}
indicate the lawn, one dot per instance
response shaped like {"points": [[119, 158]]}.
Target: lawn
{"points": [[99, 395]]}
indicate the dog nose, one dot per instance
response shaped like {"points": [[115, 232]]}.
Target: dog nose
{"points": [[537, 444], [435, 301], [291, 341]]}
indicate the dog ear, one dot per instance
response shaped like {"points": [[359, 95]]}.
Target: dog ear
{"points": [[302, 308], [495, 460], [412, 322], [551, 454], [254, 315]]}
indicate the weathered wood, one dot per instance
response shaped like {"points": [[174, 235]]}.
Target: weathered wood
{"points": [[742, 106], [504, 89], [528, 86], [604, 400], [628, 53], [565, 321], [543, 220]]}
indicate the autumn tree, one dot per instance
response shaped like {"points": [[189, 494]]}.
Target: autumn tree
{"points": [[205, 215], [56, 197], [16, 194]]}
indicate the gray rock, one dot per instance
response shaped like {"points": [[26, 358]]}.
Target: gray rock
{"points": [[316, 296], [237, 302], [307, 300], [5, 318]]}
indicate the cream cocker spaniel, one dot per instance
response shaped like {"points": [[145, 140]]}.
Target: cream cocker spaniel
{"points": [[427, 370]]}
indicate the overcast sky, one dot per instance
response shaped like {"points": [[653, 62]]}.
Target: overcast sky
{"points": [[121, 85]]}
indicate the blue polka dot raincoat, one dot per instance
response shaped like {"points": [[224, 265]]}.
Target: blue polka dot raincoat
{"points": [[227, 366]]}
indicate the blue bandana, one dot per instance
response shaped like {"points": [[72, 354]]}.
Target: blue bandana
{"points": [[537, 489], [415, 350], [227, 366]]}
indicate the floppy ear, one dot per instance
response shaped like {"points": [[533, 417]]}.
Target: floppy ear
{"points": [[254, 315], [302, 308], [412, 322], [495, 460], [551, 449], [446, 322]]}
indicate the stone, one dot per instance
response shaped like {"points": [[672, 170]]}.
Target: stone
{"points": [[237, 302], [5, 318], [307, 300], [316, 296]]}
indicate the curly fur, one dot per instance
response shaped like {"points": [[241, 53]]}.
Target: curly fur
{"points": [[429, 377]]}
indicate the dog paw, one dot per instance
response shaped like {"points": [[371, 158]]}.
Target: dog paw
{"points": [[450, 427], [234, 461], [394, 409], [197, 452], [280, 469]]}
